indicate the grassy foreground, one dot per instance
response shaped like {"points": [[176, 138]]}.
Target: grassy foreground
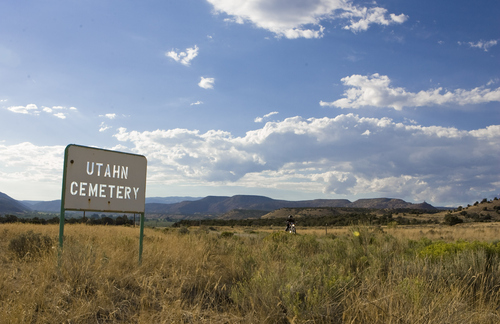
{"points": [[362, 275]]}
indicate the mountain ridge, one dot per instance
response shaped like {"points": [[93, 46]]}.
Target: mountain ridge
{"points": [[217, 205], [223, 204], [10, 205]]}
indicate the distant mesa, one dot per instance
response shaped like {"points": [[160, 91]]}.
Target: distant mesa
{"points": [[254, 206]]}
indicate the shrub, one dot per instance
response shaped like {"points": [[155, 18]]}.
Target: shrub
{"points": [[452, 220], [439, 249], [226, 234], [29, 245], [202, 230]]}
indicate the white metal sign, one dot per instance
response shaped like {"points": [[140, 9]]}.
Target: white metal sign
{"points": [[103, 180]]}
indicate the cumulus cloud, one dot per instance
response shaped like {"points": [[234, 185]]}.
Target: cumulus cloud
{"points": [[42, 174], [376, 91], [184, 58], [345, 155], [206, 83], [362, 18], [28, 109], [60, 115], [32, 109], [484, 45], [261, 119], [301, 18], [109, 116], [197, 103]]}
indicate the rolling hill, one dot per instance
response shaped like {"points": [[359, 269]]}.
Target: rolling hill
{"points": [[213, 205], [221, 205], [9, 205]]}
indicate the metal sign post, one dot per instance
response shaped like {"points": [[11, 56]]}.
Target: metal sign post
{"points": [[103, 180], [141, 235]]}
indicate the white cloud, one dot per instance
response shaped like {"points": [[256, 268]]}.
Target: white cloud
{"points": [[109, 116], [492, 81], [206, 83], [184, 58], [261, 119], [347, 155], [410, 121], [301, 18], [32, 109], [103, 127], [28, 109], [398, 18], [40, 176], [484, 45], [362, 18], [197, 103], [375, 91]]}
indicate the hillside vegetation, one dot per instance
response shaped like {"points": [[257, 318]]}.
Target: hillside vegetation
{"points": [[484, 210], [208, 276]]}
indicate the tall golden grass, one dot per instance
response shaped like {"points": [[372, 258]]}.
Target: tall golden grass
{"points": [[356, 275]]}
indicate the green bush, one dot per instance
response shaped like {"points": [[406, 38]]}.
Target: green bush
{"points": [[226, 234], [440, 249], [30, 245], [452, 220]]}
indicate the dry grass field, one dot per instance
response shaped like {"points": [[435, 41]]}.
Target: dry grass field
{"points": [[467, 231], [358, 274]]}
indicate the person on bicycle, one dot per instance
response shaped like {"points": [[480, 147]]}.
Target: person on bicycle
{"points": [[289, 221]]}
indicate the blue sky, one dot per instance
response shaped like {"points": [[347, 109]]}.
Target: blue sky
{"points": [[289, 99]]}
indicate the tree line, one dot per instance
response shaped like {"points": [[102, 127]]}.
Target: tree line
{"points": [[331, 220], [106, 220]]}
